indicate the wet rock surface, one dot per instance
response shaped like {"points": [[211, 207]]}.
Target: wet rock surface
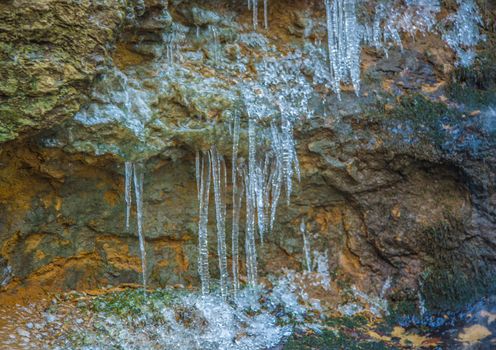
{"points": [[398, 182], [48, 57]]}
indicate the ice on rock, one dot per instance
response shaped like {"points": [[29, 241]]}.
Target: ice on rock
{"points": [[343, 42], [121, 99], [345, 34], [378, 305], [321, 268], [464, 33], [256, 319]]}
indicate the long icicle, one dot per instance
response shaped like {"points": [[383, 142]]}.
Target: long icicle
{"points": [[128, 167], [138, 191], [306, 246], [217, 172], [266, 14], [254, 4], [203, 176], [250, 185], [236, 203]]}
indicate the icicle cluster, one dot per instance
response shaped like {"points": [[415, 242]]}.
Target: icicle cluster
{"points": [[253, 5], [134, 174], [343, 42], [464, 34], [219, 177], [272, 109], [215, 43], [211, 167], [345, 34]]}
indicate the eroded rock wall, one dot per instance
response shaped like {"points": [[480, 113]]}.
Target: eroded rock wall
{"points": [[397, 183]]}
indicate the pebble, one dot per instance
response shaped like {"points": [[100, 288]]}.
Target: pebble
{"points": [[23, 332], [50, 318]]}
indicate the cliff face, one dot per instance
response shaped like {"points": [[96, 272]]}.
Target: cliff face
{"points": [[399, 182]]}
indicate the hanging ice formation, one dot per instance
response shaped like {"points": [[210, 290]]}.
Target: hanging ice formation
{"points": [[266, 14], [134, 174], [343, 43], [203, 187], [127, 190], [464, 34], [218, 167], [306, 246], [253, 5], [216, 44], [345, 34], [237, 197], [273, 104]]}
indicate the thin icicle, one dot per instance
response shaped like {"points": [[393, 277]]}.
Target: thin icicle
{"points": [[138, 192], [217, 172], [258, 192], [197, 173], [251, 198], [203, 199], [236, 202], [306, 246], [343, 42], [276, 192], [254, 4], [215, 43], [266, 14], [128, 166], [250, 248]]}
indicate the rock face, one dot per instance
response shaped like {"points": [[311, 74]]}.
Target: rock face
{"points": [[399, 182], [48, 57]]}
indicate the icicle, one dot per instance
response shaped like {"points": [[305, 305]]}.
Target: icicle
{"points": [[266, 14], [198, 175], [216, 44], [276, 192], [236, 202], [203, 199], [171, 44], [254, 4], [215, 161], [128, 166], [287, 156], [250, 248], [306, 247], [251, 198], [343, 42], [465, 34], [138, 191]]}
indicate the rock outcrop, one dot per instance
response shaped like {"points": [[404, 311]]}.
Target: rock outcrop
{"points": [[399, 182]]}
